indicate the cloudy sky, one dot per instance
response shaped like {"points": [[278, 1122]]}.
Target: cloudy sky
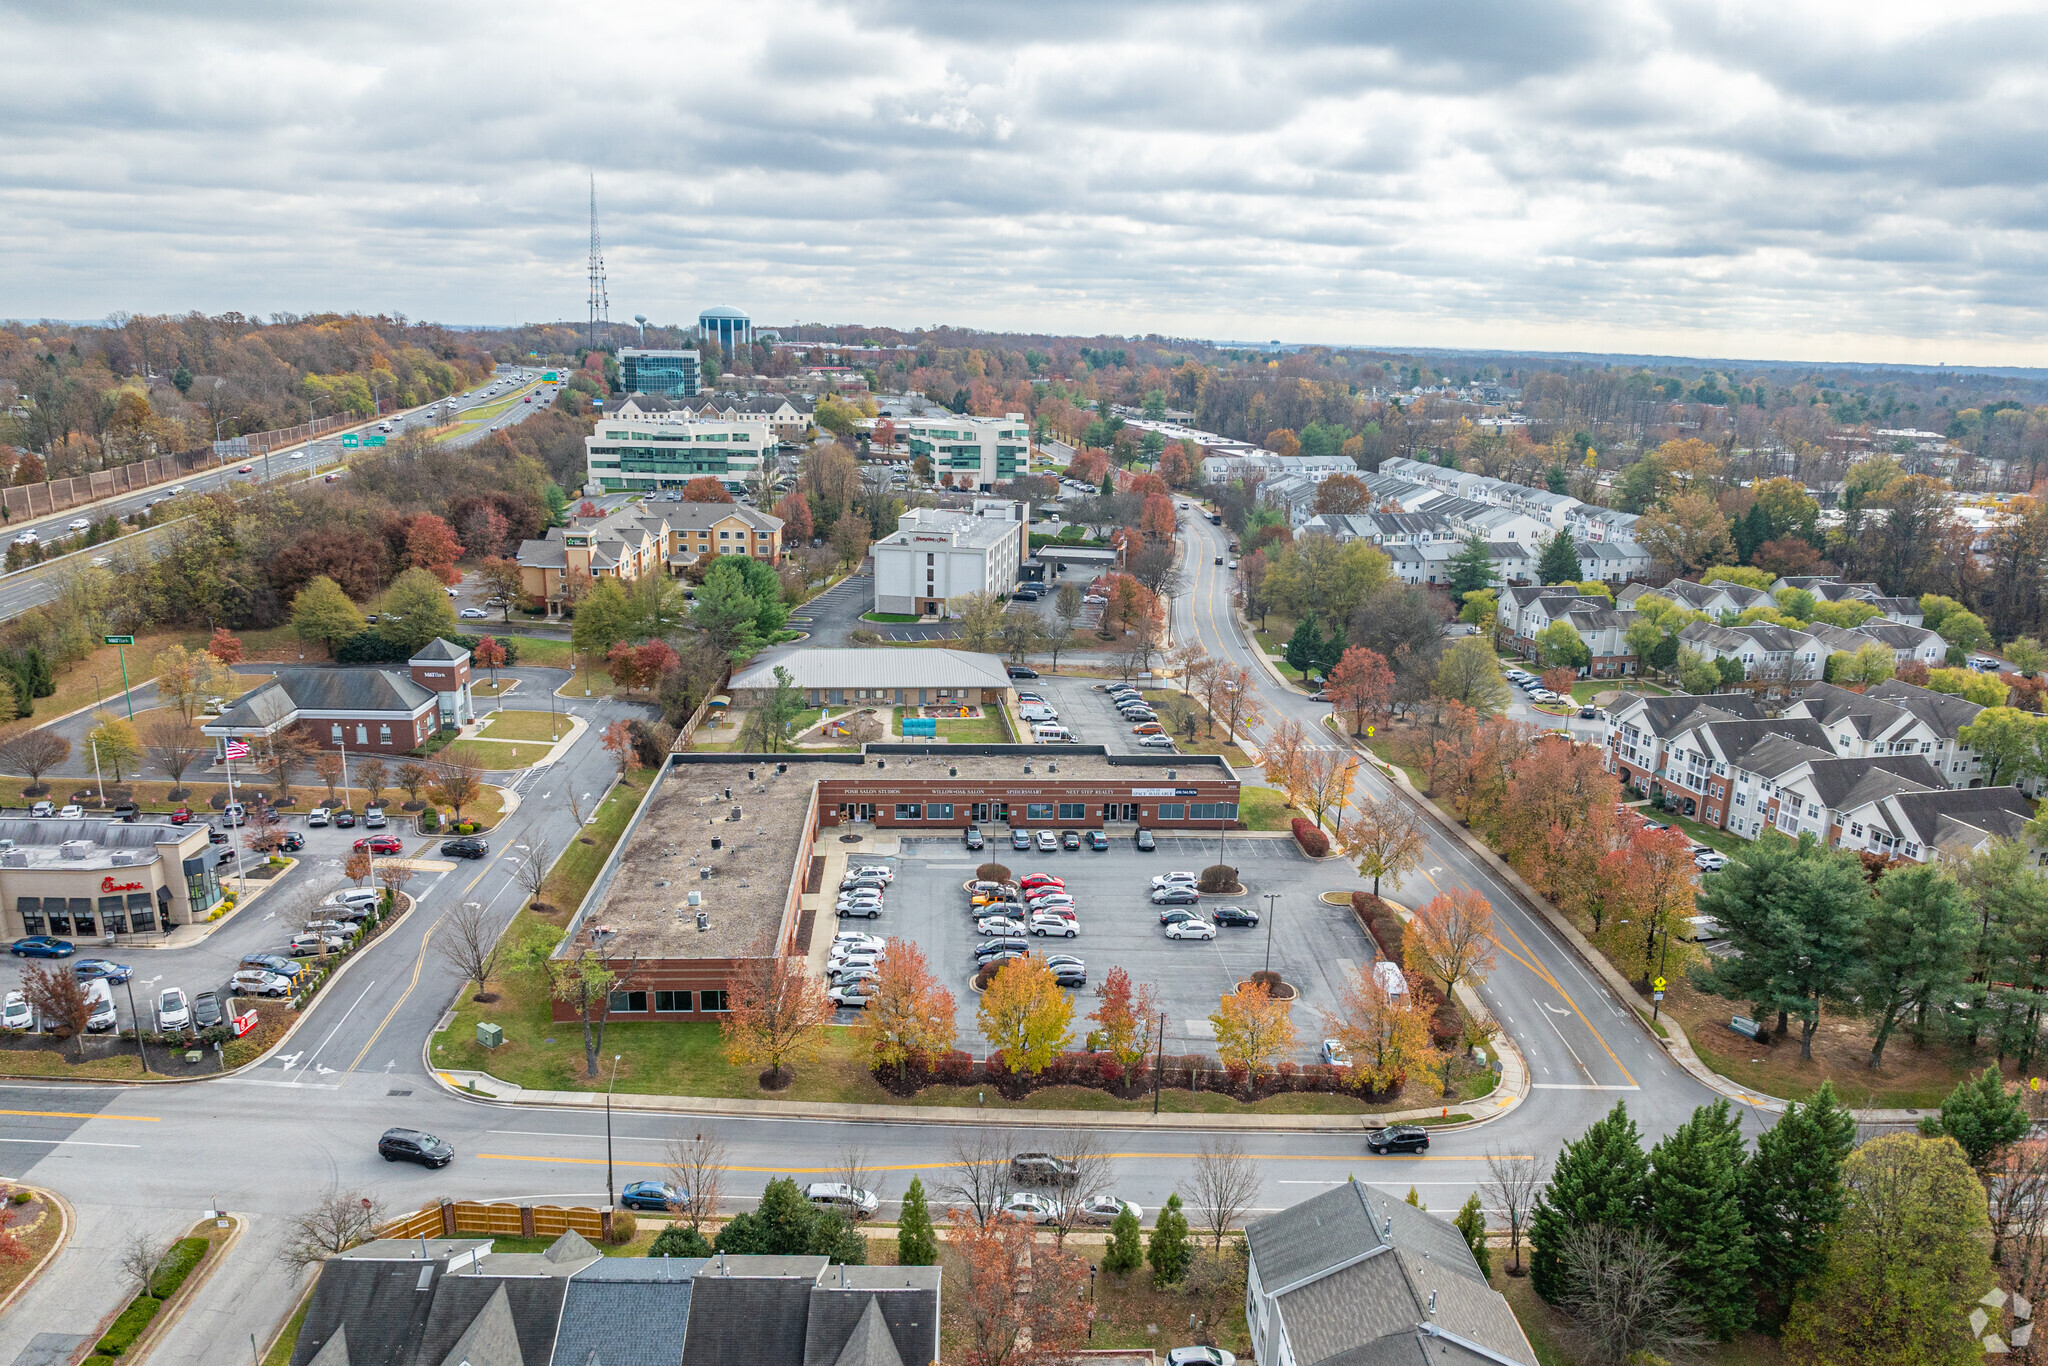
{"points": [[1845, 181]]}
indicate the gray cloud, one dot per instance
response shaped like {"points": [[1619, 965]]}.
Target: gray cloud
{"points": [[1680, 176]]}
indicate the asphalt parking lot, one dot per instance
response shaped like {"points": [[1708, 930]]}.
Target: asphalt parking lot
{"points": [[1313, 944], [1085, 709]]}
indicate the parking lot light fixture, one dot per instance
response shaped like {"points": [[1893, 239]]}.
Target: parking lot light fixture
{"points": [[1271, 897]]}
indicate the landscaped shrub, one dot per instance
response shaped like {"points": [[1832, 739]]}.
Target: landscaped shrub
{"points": [[1217, 877], [956, 1068], [624, 1227], [992, 872], [129, 1326], [185, 1254], [430, 819], [1380, 922], [1311, 838]]}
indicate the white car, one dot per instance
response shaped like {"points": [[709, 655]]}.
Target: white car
{"points": [[79, 524], [451, 592], [869, 910], [71, 813], [1057, 925], [1191, 929], [1096, 600], [172, 1010], [177, 489], [1031, 1207], [1712, 862], [998, 925], [1155, 742], [851, 953], [319, 815], [1103, 1209], [1177, 878], [1542, 695], [854, 996], [851, 973], [354, 896], [473, 613], [1334, 1054], [874, 870], [1200, 1356], [857, 937], [15, 1014], [27, 538]]}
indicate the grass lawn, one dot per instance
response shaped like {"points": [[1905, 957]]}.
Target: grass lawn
{"points": [[495, 756], [1719, 839], [1586, 689], [542, 653], [1263, 808], [576, 867], [1383, 749], [280, 1353], [97, 677], [1275, 646], [486, 688], [525, 725], [36, 1241], [983, 730], [890, 618]]}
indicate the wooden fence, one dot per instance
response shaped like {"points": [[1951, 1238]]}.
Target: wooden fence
{"points": [[452, 1218]]}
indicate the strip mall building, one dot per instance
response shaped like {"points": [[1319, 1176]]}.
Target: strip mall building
{"points": [[710, 874]]}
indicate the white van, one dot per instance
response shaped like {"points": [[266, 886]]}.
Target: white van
{"points": [[101, 998], [1050, 734], [1037, 711]]}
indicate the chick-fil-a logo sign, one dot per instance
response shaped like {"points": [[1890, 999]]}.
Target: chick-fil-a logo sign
{"points": [[107, 884]]}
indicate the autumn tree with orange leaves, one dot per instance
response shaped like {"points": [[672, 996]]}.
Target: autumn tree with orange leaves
{"points": [[910, 1014], [1235, 705], [776, 1013], [1253, 1028], [1280, 758], [1156, 518], [1385, 1032], [1384, 839], [1649, 887], [1024, 1305], [1126, 1018], [1326, 779], [1553, 785], [1450, 940], [1361, 684]]}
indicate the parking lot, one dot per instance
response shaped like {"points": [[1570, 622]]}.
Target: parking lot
{"points": [[1314, 944], [1085, 709]]}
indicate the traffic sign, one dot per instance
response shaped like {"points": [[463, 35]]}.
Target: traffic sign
{"points": [[351, 442], [373, 441], [120, 640], [1658, 984], [548, 376]]}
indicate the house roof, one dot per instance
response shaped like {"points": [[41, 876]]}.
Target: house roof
{"points": [[696, 516], [1735, 741], [844, 1321], [1963, 818], [549, 553], [492, 1338], [747, 1320], [630, 1311], [1843, 784], [1897, 634], [440, 650], [1777, 755], [877, 667], [533, 1303], [1359, 1279], [357, 692], [1945, 713], [1665, 716]]}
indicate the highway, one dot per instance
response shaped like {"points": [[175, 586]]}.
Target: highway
{"points": [[265, 1144]]}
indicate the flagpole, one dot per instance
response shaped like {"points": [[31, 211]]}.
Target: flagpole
{"points": [[228, 758]]}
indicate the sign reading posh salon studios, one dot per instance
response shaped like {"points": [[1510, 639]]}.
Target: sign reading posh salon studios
{"points": [[1165, 792]]}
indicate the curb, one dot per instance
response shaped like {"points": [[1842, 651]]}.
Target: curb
{"points": [[67, 1221], [169, 1315]]}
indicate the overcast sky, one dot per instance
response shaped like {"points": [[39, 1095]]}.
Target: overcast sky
{"points": [[1857, 181]]}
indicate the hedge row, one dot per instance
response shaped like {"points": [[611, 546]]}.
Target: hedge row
{"points": [[185, 1254], [1446, 1023], [1104, 1072], [1310, 836], [368, 647], [134, 1319], [178, 1263]]}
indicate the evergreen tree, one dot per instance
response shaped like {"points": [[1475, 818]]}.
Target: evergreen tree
{"points": [[1792, 1196], [1694, 1199], [785, 1224], [679, 1240], [1555, 478], [1980, 1117], [1471, 1221], [915, 1243], [1305, 646], [1170, 1251], [40, 676], [1332, 653], [1471, 569], [1598, 1180], [1125, 1248], [1560, 562], [1108, 483]]}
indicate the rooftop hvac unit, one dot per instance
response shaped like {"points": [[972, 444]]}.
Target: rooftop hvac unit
{"points": [[696, 898], [735, 814], [703, 921], [717, 843], [124, 859], [14, 858], [76, 849]]}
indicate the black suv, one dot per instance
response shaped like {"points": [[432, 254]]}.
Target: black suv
{"points": [[1400, 1138], [468, 846], [410, 1145], [206, 1010], [1041, 1169], [1000, 948], [1018, 670], [971, 837], [1233, 915]]}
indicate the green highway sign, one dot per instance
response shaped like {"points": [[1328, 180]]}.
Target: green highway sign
{"points": [[547, 376], [351, 442], [373, 441], [120, 640]]}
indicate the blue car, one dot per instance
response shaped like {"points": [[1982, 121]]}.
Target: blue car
{"points": [[654, 1195], [101, 969], [42, 946]]}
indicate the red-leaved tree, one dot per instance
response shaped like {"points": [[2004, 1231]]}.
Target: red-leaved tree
{"points": [[225, 646], [489, 653], [1361, 684], [795, 512], [1024, 1304], [705, 489], [430, 544]]}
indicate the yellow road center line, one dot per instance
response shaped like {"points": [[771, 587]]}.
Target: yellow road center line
{"points": [[418, 964], [76, 1114]]}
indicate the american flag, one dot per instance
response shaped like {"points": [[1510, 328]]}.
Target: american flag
{"points": [[237, 750]]}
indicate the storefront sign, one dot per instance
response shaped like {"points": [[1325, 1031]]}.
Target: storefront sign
{"points": [[107, 884], [1166, 792], [243, 1023]]}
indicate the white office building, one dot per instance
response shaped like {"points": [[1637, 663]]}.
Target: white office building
{"points": [[974, 453], [668, 450], [934, 556]]}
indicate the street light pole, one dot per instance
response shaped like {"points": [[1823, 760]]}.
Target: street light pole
{"points": [[609, 1198], [140, 1050], [1271, 897]]}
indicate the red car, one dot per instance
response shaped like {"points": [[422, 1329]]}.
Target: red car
{"points": [[182, 816], [245, 469], [1040, 880], [381, 844]]}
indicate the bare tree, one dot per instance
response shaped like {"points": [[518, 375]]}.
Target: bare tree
{"points": [[530, 869], [335, 1223], [59, 999], [34, 752], [980, 1176], [1224, 1183], [140, 1256], [857, 1170], [174, 746], [469, 942], [372, 777], [393, 875], [1622, 1292], [696, 1167], [1091, 1173], [1513, 1183]]}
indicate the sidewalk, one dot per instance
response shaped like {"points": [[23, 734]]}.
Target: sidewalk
{"points": [[185, 936]]}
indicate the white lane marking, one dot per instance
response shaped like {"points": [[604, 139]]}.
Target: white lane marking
{"points": [[1575, 1086], [340, 1022], [70, 1143]]}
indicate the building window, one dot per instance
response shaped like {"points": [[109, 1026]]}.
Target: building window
{"points": [[1038, 811], [201, 888], [939, 811], [141, 912], [384, 734], [81, 915], [334, 732], [362, 734], [1073, 811], [909, 811], [114, 914], [629, 1002], [1215, 811], [671, 1001], [30, 908], [1173, 811], [713, 1001]]}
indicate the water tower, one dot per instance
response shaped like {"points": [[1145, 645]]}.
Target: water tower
{"points": [[641, 319]]}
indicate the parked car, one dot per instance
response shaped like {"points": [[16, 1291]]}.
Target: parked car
{"points": [[1160, 741], [971, 837], [71, 813], [1070, 839], [999, 924], [1179, 877], [1175, 896], [840, 1198], [858, 937], [234, 814], [1042, 1169], [42, 946], [1103, 1209], [313, 944], [413, 1145], [1020, 839], [1098, 841], [1031, 1207], [1048, 842], [1174, 915], [1398, 1138], [652, 1195], [1334, 1054], [354, 896], [15, 1012], [382, 844], [466, 846], [290, 842], [1057, 926], [173, 1011], [345, 818], [1713, 861], [41, 809], [373, 818], [990, 948], [318, 816], [270, 962], [1019, 671], [881, 872], [1032, 881], [1199, 1356], [1234, 915], [853, 997], [866, 910], [1144, 841], [182, 816], [101, 969], [1191, 929]]}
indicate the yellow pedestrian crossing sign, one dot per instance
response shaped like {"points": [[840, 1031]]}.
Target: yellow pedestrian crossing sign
{"points": [[1658, 984], [1369, 731]]}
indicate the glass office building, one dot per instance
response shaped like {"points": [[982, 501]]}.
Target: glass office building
{"points": [[729, 327], [677, 374]]}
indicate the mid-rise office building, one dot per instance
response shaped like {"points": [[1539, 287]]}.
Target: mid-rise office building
{"points": [[729, 327], [934, 556], [660, 453], [970, 452], [676, 374]]}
